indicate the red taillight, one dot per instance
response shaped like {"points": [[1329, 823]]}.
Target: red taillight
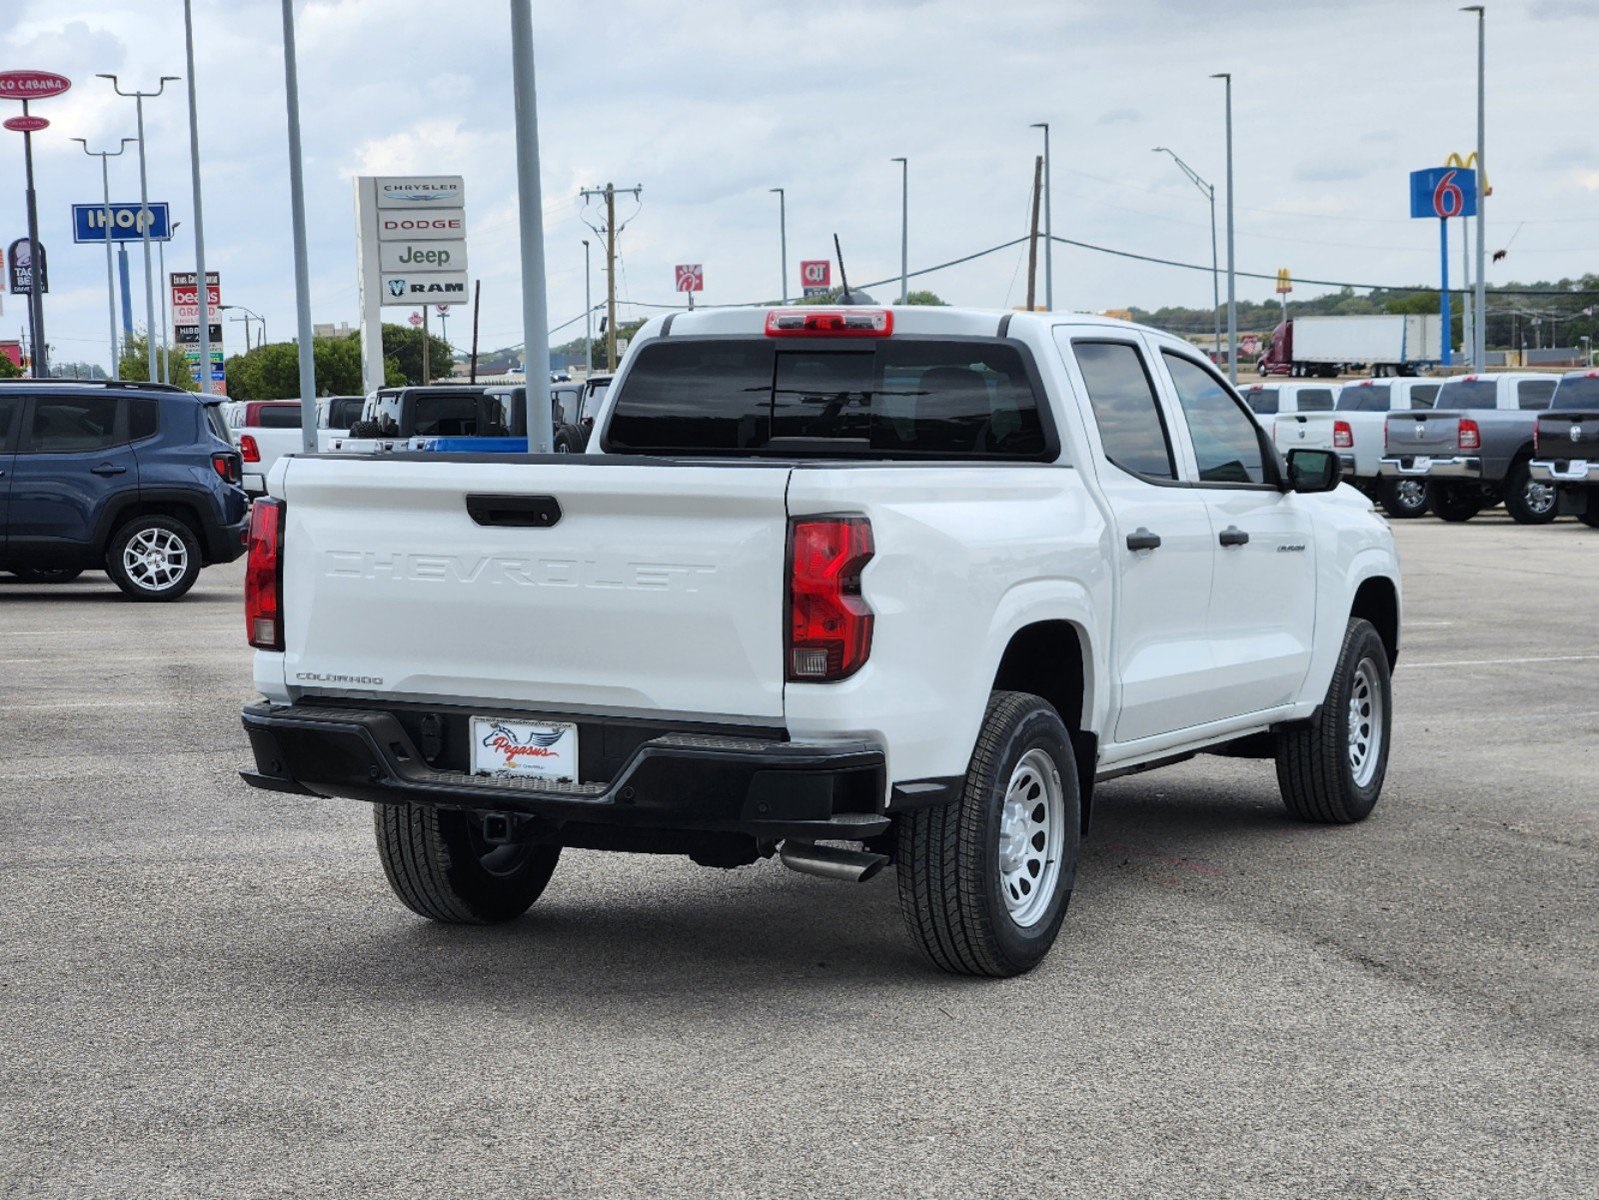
{"points": [[263, 576], [829, 623], [1535, 423], [226, 466], [1343, 436], [829, 322], [248, 448], [1470, 435]]}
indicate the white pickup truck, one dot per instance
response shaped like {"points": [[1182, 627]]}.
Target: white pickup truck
{"points": [[264, 431], [908, 578]]}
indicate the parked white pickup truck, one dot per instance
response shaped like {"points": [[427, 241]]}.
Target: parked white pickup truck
{"points": [[264, 431], [913, 578]]}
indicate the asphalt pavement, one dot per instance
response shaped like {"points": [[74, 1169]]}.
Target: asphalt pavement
{"points": [[209, 991]]}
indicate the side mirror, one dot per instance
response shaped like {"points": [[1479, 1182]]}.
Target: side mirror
{"points": [[1314, 470]]}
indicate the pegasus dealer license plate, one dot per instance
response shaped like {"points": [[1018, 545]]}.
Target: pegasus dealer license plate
{"points": [[544, 749]]}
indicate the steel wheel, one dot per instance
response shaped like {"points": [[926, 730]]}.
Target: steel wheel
{"points": [[155, 559], [1031, 833], [1412, 493], [1539, 498], [1365, 723]]}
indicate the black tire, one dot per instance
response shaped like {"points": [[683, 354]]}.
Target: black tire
{"points": [[567, 442], [1590, 515], [1456, 501], [363, 430], [952, 890], [169, 569], [47, 574], [1526, 500], [1316, 769], [1404, 497], [441, 869]]}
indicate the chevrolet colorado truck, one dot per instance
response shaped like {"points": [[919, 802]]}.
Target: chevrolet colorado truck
{"points": [[1474, 447], [1566, 445], [855, 586]]}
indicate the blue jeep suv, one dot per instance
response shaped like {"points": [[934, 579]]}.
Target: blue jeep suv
{"points": [[136, 479]]}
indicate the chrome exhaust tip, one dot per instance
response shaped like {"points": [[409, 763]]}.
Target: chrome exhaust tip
{"points": [[831, 862]]}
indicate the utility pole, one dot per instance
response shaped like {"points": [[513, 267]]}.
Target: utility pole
{"points": [[1232, 270], [782, 239], [202, 291], [427, 372], [477, 292], [1032, 240], [530, 229], [1049, 231], [302, 269], [588, 313], [610, 229], [904, 230], [1480, 334], [166, 287]]}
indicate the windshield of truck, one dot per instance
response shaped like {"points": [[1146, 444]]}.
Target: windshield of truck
{"points": [[343, 411], [1468, 393], [594, 397], [278, 416], [1577, 391], [498, 417], [1315, 400], [897, 398], [1262, 401], [1361, 398]]}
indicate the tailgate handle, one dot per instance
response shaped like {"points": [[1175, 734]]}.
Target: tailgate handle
{"points": [[515, 512]]}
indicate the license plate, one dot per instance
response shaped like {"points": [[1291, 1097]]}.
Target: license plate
{"points": [[1421, 462], [543, 749]]}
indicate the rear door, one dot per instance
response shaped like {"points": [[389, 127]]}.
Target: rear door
{"points": [[1161, 545], [1261, 619], [588, 585], [72, 461]]}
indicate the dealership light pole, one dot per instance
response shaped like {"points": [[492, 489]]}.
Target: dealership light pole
{"points": [[302, 270], [1480, 333], [202, 292], [144, 208], [1209, 191], [904, 230], [166, 351], [535, 320], [782, 237], [1049, 230], [110, 280], [588, 312], [1232, 277]]}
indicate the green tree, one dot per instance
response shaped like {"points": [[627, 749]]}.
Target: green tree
{"points": [[403, 344], [272, 371], [133, 361], [9, 369], [927, 298]]}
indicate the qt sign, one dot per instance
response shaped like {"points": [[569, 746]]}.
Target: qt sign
{"points": [[1443, 192]]}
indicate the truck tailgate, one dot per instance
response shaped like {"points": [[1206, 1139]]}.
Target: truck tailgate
{"points": [[657, 588], [1424, 432], [1569, 435], [1303, 431]]}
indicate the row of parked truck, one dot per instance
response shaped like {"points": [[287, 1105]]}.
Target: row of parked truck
{"points": [[1453, 446], [439, 418]]}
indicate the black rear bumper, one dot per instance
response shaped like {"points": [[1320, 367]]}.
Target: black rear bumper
{"points": [[673, 781]]}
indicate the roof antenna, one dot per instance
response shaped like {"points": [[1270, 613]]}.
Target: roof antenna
{"points": [[843, 276]]}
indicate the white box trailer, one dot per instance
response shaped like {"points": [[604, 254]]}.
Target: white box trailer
{"points": [[1386, 343]]}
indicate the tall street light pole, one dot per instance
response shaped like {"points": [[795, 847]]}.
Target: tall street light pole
{"points": [[1209, 191], [1232, 277], [782, 238], [588, 312], [144, 209], [904, 229], [1049, 230], [535, 321], [1480, 333], [202, 292], [302, 269], [166, 351], [110, 280]]}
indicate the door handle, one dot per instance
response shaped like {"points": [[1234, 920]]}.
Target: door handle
{"points": [[108, 469], [1233, 536], [1142, 539]]}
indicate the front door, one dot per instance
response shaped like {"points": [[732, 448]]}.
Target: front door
{"points": [[1161, 548], [1262, 613], [10, 417], [72, 459]]}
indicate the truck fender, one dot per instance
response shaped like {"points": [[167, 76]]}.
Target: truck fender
{"points": [[1371, 563]]}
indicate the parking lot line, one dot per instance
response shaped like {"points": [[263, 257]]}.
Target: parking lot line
{"points": [[1495, 662]]}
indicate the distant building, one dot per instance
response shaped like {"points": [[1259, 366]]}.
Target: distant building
{"points": [[341, 330]]}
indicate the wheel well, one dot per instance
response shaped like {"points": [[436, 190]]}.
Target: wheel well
{"points": [[176, 509], [1377, 601], [1046, 659]]}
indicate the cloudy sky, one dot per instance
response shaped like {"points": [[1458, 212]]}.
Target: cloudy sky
{"points": [[710, 103]]}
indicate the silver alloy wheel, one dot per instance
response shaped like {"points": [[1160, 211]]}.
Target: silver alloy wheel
{"points": [[1539, 497], [155, 559], [1412, 493], [1032, 833], [1365, 724]]}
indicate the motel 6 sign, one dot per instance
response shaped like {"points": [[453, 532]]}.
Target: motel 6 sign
{"points": [[1443, 192]]}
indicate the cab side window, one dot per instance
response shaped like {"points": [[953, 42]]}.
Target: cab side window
{"points": [[72, 424], [1226, 439], [10, 410], [1535, 393], [1123, 399]]}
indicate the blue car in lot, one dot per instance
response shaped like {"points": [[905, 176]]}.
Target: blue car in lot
{"points": [[136, 479]]}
